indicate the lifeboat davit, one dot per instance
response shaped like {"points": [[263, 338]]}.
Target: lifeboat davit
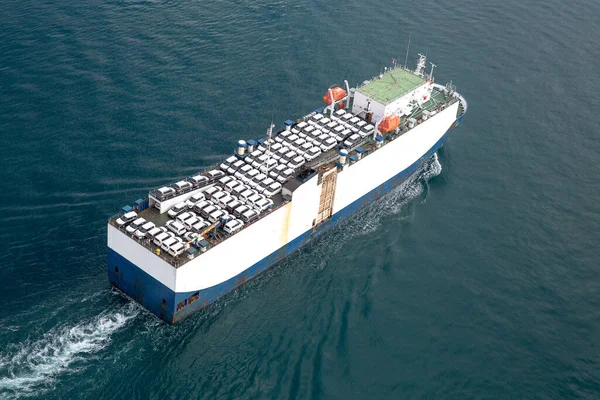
{"points": [[389, 123], [338, 94]]}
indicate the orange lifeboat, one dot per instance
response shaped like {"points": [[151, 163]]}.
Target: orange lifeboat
{"points": [[389, 123], [338, 94]]}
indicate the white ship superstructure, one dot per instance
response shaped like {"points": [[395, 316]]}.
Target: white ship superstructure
{"points": [[196, 240]]}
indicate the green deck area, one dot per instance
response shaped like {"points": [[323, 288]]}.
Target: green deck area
{"points": [[392, 85]]}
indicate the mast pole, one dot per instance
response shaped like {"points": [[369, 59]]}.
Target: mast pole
{"points": [[407, 49]]}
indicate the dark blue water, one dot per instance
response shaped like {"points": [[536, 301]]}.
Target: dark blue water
{"points": [[478, 278]]}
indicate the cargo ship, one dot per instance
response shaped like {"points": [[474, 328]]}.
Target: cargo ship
{"points": [[189, 243]]}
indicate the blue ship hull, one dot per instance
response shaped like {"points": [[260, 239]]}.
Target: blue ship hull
{"points": [[162, 301]]}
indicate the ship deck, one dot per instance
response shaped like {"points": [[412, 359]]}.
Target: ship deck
{"points": [[391, 85], [326, 160]]}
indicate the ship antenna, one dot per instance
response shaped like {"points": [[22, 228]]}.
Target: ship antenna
{"points": [[407, 49], [431, 72], [421, 64], [269, 135]]}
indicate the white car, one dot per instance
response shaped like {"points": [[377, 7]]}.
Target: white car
{"points": [[283, 151], [235, 166], [276, 147], [223, 201], [269, 165], [285, 175], [277, 171], [272, 189], [260, 160], [256, 180], [240, 210], [301, 125], [181, 218], [182, 186], [215, 174], [366, 130], [259, 188], [275, 157], [125, 219], [198, 180], [131, 228], [247, 194], [317, 116], [176, 227], [296, 162], [339, 113], [218, 196], [144, 229], [190, 236], [190, 222], [312, 153], [239, 189], [209, 210], [191, 202], [169, 242], [233, 226], [352, 141], [217, 215], [161, 237], [232, 185], [290, 156], [254, 198], [241, 173], [176, 249], [227, 163], [292, 138], [201, 205], [322, 138], [177, 209], [152, 233], [250, 175], [235, 203], [224, 180], [198, 227], [305, 147], [249, 216], [263, 204], [328, 144], [210, 191], [164, 193]]}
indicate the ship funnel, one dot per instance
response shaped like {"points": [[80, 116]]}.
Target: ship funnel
{"points": [[241, 149], [251, 145]]}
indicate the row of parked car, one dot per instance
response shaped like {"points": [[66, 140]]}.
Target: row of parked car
{"points": [[343, 129], [229, 197], [285, 154], [188, 184], [164, 237]]}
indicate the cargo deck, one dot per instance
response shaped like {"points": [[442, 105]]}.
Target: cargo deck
{"points": [[393, 84]]}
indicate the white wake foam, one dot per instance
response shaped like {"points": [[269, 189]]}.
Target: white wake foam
{"points": [[369, 220], [395, 202], [32, 366]]}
